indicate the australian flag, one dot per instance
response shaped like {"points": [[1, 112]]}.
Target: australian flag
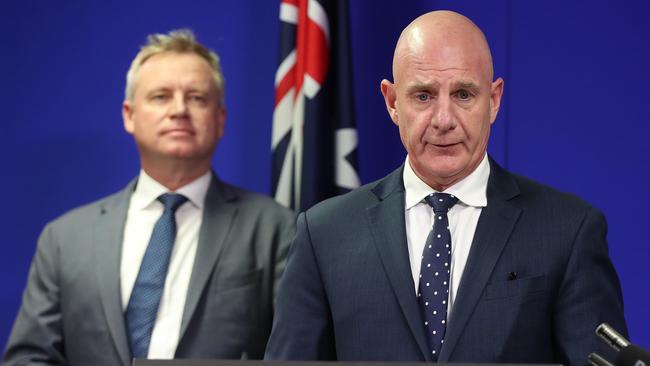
{"points": [[314, 140]]}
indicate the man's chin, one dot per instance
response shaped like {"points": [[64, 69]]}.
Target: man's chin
{"points": [[181, 153], [444, 165], [441, 171]]}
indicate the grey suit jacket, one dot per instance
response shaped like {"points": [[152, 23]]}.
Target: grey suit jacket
{"points": [[348, 293], [71, 311]]}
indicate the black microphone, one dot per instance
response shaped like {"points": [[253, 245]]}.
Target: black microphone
{"points": [[633, 356], [628, 355]]}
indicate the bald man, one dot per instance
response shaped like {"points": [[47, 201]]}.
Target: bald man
{"points": [[450, 258]]}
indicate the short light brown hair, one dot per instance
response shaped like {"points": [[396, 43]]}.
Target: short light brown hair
{"points": [[180, 41]]}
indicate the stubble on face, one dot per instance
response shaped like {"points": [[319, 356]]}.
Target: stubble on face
{"points": [[441, 99]]}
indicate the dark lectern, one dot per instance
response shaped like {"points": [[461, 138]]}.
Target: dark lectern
{"points": [[186, 362]]}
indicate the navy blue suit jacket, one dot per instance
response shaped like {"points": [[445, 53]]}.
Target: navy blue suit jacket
{"points": [[348, 293]]}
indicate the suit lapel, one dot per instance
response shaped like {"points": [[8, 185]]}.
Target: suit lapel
{"points": [[386, 219], [108, 235], [495, 224], [218, 215]]}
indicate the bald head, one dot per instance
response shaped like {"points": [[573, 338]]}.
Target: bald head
{"points": [[443, 35]]}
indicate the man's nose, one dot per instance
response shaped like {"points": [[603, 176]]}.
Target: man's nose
{"points": [[443, 117], [179, 105]]}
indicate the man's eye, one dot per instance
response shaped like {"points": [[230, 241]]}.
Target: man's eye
{"points": [[159, 97], [423, 97], [197, 98], [463, 95]]}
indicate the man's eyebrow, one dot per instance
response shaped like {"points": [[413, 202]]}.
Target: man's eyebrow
{"points": [[158, 89], [198, 90], [422, 86], [468, 85]]}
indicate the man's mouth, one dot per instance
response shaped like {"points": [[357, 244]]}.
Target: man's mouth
{"points": [[178, 131], [442, 146]]}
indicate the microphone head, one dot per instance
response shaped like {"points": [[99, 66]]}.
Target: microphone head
{"points": [[612, 337], [596, 360]]}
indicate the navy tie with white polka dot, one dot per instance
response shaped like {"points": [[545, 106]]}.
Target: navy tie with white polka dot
{"points": [[145, 298], [433, 289]]}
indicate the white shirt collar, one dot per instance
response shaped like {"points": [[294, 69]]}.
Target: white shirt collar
{"points": [[471, 190], [148, 190]]}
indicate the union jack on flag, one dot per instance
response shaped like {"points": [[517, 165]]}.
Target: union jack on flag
{"points": [[314, 137]]}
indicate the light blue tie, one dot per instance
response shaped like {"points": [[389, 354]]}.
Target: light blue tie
{"points": [[145, 297]]}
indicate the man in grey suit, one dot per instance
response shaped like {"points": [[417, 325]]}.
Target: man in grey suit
{"points": [[131, 275], [450, 258]]}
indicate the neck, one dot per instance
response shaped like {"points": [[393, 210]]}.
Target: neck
{"points": [[174, 175]]}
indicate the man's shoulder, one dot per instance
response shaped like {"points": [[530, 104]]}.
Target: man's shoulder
{"points": [[253, 201], [358, 199], [363, 194], [533, 192], [85, 213]]}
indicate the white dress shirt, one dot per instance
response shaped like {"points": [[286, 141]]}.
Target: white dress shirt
{"points": [[463, 218], [144, 211]]}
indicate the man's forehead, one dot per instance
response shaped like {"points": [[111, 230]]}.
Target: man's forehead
{"points": [[174, 83], [176, 80], [441, 66], [429, 66]]}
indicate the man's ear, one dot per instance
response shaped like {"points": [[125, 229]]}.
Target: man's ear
{"points": [[390, 98], [127, 116], [495, 98]]}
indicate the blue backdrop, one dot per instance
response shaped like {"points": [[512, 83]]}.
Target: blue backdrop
{"points": [[574, 114]]}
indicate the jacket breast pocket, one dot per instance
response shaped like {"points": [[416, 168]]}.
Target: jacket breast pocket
{"points": [[521, 287]]}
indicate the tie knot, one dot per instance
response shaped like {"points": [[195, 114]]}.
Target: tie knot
{"points": [[172, 201], [441, 202]]}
